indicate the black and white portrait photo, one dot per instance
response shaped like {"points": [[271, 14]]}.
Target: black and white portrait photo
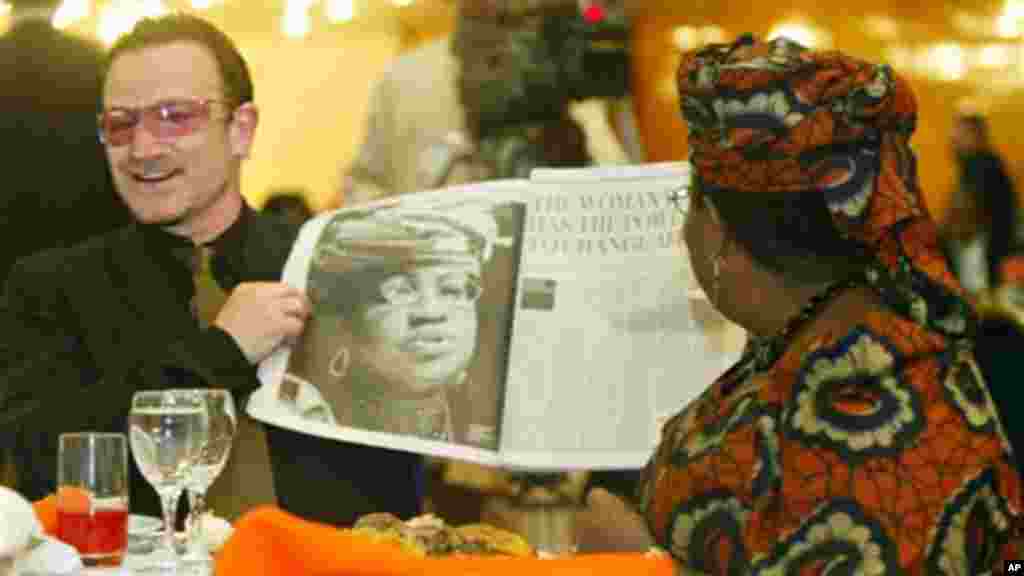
{"points": [[412, 309]]}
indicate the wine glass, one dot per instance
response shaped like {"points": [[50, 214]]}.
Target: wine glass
{"points": [[213, 456], [166, 428]]}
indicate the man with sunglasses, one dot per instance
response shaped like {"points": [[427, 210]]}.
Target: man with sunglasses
{"points": [[91, 325]]}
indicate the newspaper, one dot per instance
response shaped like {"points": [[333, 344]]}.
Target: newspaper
{"points": [[545, 324]]}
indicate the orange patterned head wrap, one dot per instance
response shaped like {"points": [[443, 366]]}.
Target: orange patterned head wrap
{"points": [[776, 117]]}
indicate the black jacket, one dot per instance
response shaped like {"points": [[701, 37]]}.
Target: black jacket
{"points": [[86, 327]]}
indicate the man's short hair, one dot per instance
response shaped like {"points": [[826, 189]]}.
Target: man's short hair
{"points": [[180, 27]]}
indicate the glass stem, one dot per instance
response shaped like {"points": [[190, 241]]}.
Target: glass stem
{"points": [[197, 507], [170, 502]]}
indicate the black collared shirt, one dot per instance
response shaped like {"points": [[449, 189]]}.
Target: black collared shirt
{"points": [[175, 256], [175, 253]]}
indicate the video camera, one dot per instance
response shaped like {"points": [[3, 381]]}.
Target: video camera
{"points": [[569, 57]]}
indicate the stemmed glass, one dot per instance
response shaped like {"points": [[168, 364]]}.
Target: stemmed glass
{"points": [[213, 456], [166, 428]]}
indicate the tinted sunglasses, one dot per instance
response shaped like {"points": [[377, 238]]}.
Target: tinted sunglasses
{"points": [[165, 120]]}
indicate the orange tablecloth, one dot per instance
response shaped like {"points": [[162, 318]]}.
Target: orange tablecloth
{"points": [[270, 542]]}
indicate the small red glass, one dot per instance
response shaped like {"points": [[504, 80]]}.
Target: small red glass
{"points": [[92, 496]]}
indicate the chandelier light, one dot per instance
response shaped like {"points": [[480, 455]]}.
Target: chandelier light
{"points": [[802, 32], [70, 12], [119, 16], [339, 11], [297, 20]]}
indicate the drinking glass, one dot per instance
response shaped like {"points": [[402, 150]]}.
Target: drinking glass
{"points": [[213, 456], [92, 496], [166, 428]]}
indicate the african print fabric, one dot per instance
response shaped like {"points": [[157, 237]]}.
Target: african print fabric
{"points": [[876, 451]]}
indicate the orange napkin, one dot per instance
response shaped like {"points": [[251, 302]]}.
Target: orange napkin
{"points": [[1012, 269], [46, 511], [270, 542]]}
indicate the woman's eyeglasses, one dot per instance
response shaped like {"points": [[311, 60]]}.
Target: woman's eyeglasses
{"points": [[454, 290], [165, 120], [679, 197]]}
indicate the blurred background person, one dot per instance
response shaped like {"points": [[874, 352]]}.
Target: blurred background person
{"points": [[517, 84], [57, 188], [980, 232], [289, 204]]}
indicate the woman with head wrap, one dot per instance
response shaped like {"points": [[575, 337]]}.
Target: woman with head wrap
{"points": [[395, 323], [855, 435]]}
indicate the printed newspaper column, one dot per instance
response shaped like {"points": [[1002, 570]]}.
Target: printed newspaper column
{"points": [[610, 325]]}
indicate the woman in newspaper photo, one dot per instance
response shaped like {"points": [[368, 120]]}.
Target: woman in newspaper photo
{"points": [[856, 435], [395, 327]]}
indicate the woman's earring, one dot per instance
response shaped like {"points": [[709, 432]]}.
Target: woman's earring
{"points": [[716, 271], [339, 363]]}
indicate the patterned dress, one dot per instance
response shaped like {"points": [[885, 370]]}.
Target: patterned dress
{"points": [[876, 451]]}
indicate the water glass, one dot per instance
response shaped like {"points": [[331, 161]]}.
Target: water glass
{"points": [[92, 496], [213, 456], [166, 429]]}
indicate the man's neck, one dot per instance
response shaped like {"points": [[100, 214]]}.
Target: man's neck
{"points": [[21, 15], [213, 221]]}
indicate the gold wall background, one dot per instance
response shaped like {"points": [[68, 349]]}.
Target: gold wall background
{"points": [[656, 60], [313, 92]]}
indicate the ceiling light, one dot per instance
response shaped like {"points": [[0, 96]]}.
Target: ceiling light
{"points": [[1014, 9], [120, 16], [1007, 26], [994, 56], [339, 11], [297, 21], [948, 62], [685, 37], [69, 12], [803, 33]]}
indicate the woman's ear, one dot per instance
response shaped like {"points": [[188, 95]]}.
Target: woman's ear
{"points": [[725, 247]]}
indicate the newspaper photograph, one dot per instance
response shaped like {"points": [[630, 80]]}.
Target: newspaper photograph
{"points": [[412, 308], [549, 323]]}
